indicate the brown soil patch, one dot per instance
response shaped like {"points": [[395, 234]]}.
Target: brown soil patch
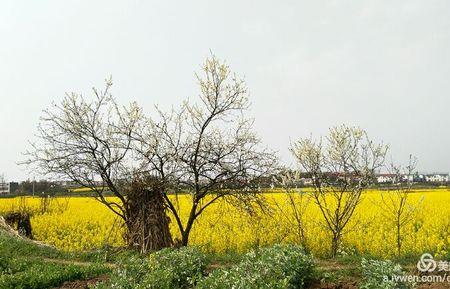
{"points": [[340, 285], [354, 285], [83, 284], [434, 286], [331, 265]]}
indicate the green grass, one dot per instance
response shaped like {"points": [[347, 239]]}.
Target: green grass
{"points": [[25, 264], [10, 245]]}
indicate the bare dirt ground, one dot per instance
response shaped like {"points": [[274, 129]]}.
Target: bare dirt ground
{"points": [[340, 285], [354, 285], [351, 282], [434, 286], [83, 284]]}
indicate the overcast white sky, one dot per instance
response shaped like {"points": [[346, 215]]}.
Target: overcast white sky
{"points": [[382, 65]]}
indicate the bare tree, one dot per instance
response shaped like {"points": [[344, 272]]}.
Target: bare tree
{"points": [[207, 149], [396, 205], [294, 205], [91, 143], [341, 167]]}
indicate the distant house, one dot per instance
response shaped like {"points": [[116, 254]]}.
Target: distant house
{"points": [[306, 181], [408, 178], [7, 188], [68, 184], [385, 178], [416, 178], [437, 178]]}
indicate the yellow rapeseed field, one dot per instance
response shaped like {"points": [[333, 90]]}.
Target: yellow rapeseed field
{"points": [[79, 223]]}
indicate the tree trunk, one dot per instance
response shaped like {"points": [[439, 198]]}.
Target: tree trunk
{"points": [[146, 220], [184, 239], [399, 239], [22, 221], [335, 244], [185, 234]]}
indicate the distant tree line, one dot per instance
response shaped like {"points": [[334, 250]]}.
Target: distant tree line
{"points": [[41, 186]]}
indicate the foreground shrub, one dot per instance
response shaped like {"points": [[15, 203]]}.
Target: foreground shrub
{"points": [[128, 274], [278, 267], [378, 275], [165, 269], [175, 268]]}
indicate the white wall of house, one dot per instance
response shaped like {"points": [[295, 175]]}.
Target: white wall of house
{"points": [[383, 179], [4, 188], [437, 178]]}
